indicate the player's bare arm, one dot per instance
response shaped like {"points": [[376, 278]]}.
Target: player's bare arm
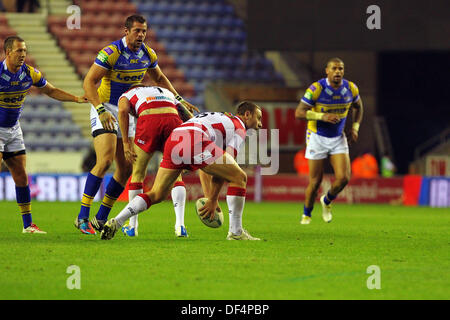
{"points": [[209, 209], [304, 112], [124, 123], [161, 80], [61, 95], [357, 116], [94, 75]]}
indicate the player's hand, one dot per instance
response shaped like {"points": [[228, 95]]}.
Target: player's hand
{"points": [[331, 118], [107, 120], [190, 107], [209, 209], [81, 99], [130, 155], [354, 134]]}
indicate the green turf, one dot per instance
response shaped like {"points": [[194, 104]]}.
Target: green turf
{"points": [[318, 261]]}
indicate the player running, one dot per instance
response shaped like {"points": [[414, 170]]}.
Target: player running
{"points": [[156, 110], [325, 106], [210, 141], [16, 79], [118, 66]]}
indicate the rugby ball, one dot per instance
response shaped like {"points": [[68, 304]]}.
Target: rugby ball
{"points": [[218, 217]]}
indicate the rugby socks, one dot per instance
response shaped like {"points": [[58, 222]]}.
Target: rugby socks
{"points": [[140, 203], [179, 201], [235, 201], [328, 198], [90, 190], [134, 188], [307, 211], [113, 191], [23, 198]]}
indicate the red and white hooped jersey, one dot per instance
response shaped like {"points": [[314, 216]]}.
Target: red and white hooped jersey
{"points": [[223, 128], [143, 98]]}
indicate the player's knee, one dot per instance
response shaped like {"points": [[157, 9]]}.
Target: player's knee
{"points": [[103, 165], [315, 183], [240, 178], [343, 180]]}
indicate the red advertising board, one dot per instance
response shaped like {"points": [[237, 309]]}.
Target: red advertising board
{"points": [[290, 187]]}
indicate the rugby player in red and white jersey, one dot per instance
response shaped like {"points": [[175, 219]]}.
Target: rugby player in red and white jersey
{"points": [[210, 141], [157, 112]]}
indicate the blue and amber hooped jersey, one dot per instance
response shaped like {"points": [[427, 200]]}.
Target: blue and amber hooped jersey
{"points": [[126, 68], [324, 98], [13, 89]]}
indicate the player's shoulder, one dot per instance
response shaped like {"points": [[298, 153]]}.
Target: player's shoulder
{"points": [[317, 86], [352, 86], [150, 52], [114, 47], [30, 70]]}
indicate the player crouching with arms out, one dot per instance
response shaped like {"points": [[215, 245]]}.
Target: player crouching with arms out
{"points": [[157, 112], [209, 141]]}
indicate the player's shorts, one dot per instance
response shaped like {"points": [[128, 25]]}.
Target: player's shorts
{"points": [[97, 127], [320, 147], [189, 149], [153, 130], [11, 140]]}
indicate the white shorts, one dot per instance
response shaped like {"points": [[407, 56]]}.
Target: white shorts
{"points": [[11, 139], [114, 110], [320, 147]]}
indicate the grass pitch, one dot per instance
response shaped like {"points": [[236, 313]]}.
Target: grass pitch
{"points": [[317, 261]]}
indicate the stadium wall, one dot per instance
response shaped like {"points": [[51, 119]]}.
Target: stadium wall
{"points": [[407, 190]]}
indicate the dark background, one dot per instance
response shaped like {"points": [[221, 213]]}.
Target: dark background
{"points": [[341, 25], [412, 48], [414, 98]]}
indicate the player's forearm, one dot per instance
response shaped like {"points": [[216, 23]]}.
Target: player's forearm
{"points": [[91, 93], [124, 123], [61, 95], [304, 112], [358, 111], [216, 186], [162, 81]]}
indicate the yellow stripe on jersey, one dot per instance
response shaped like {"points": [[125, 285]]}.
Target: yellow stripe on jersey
{"points": [[35, 74], [127, 76], [152, 53], [109, 58], [354, 89], [313, 93]]}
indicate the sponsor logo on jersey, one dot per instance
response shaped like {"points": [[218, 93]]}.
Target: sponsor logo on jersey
{"points": [[13, 99], [108, 51], [337, 97], [312, 88], [130, 78], [148, 99], [102, 57], [308, 95], [329, 92]]}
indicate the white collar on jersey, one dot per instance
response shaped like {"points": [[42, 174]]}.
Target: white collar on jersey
{"points": [[124, 42], [328, 83]]}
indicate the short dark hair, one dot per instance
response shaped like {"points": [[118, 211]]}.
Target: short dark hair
{"points": [[335, 59], [9, 42], [132, 19], [246, 106]]}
